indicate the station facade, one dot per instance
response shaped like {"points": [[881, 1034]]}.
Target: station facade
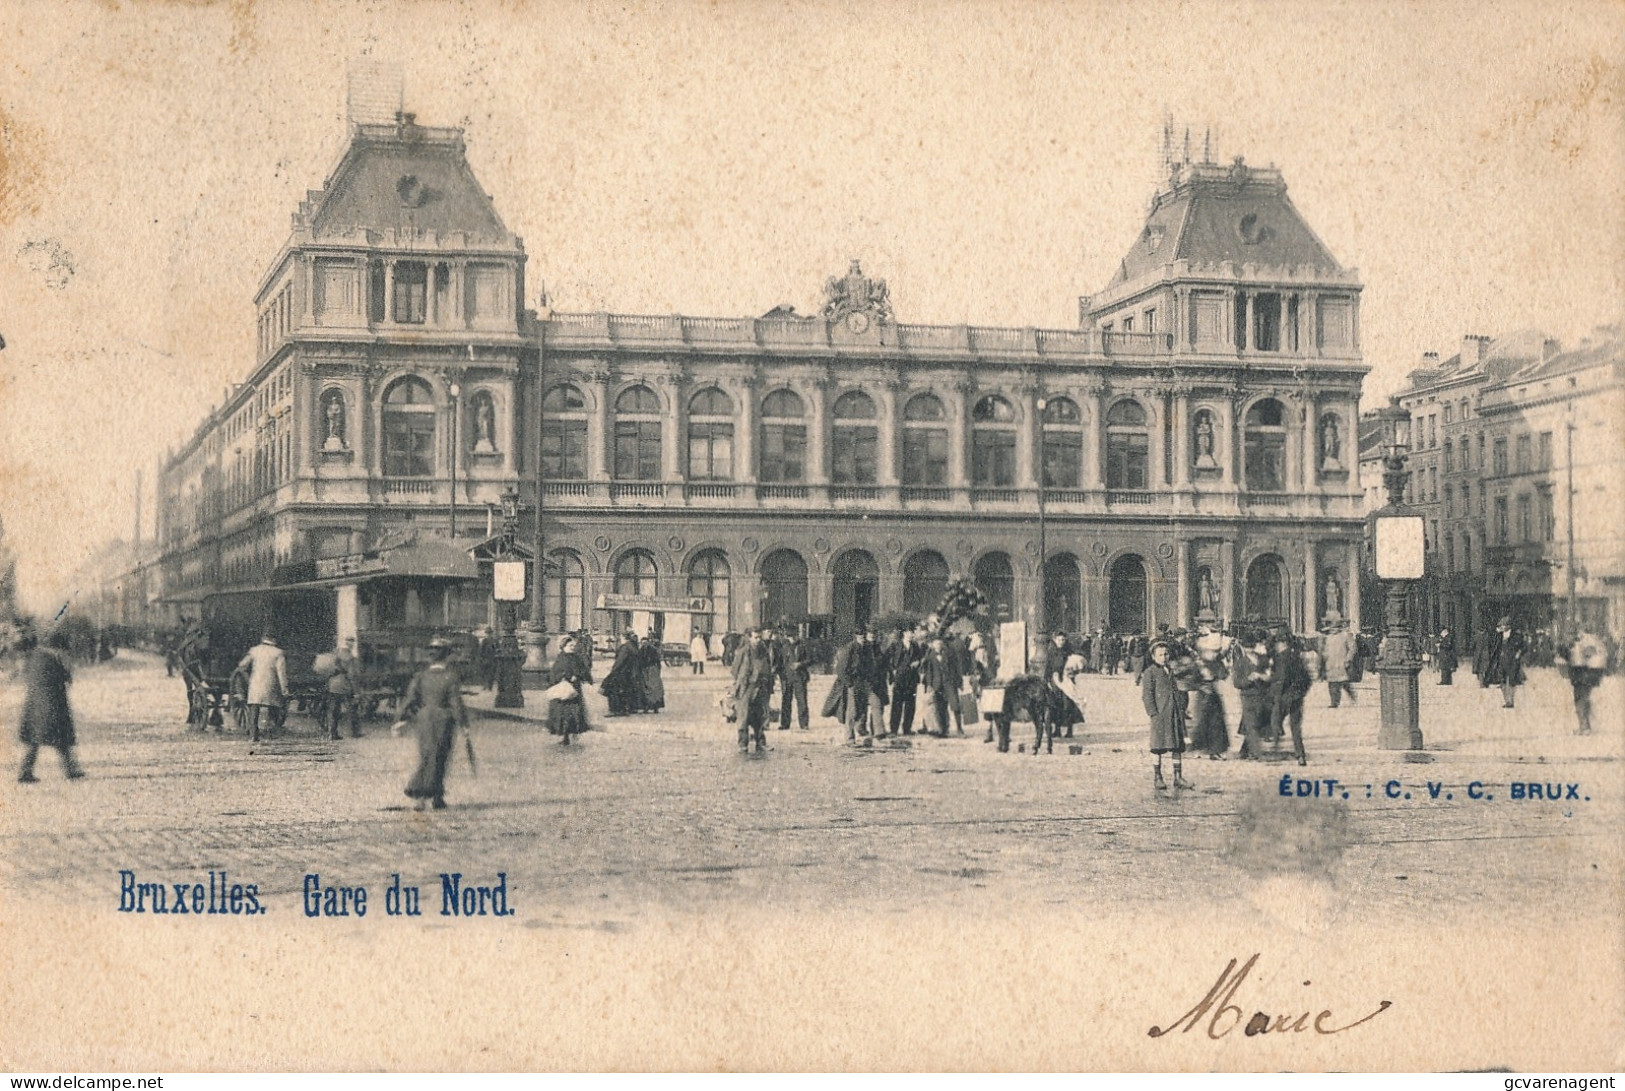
{"points": [[1189, 449]]}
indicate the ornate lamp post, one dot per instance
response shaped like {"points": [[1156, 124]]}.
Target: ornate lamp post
{"points": [[1399, 548], [1043, 553], [508, 588]]}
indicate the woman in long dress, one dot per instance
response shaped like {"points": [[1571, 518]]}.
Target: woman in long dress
{"points": [[568, 716], [434, 703], [623, 685], [654, 688]]}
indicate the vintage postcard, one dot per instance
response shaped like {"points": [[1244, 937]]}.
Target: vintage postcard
{"points": [[811, 536]]}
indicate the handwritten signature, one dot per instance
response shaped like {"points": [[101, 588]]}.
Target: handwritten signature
{"points": [[1226, 1015]]}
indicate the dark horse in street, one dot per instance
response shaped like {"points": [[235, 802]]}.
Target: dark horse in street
{"points": [[1030, 699]]}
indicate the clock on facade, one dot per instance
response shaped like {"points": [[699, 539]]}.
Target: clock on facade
{"points": [[857, 322]]}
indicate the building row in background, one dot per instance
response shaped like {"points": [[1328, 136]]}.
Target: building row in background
{"points": [[1517, 462]]}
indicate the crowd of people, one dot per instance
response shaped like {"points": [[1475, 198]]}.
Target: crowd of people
{"points": [[924, 678]]}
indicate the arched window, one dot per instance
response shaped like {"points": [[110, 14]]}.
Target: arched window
{"points": [[784, 586], [1128, 446], [409, 423], [784, 439], [993, 443], [1265, 440], [637, 435], [1063, 444], [708, 578], [997, 581], [925, 579], [634, 574], [925, 441], [1449, 456], [564, 592], [710, 436], [854, 440], [564, 434], [1266, 588]]}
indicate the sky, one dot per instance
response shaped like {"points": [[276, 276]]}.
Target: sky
{"points": [[992, 162]]}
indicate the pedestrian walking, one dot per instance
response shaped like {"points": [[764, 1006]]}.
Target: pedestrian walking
{"points": [[1250, 672], [1158, 694], [1289, 684], [1339, 664], [47, 718], [267, 670], [903, 674], [434, 705], [940, 690], [795, 671], [1208, 731], [567, 712], [623, 685], [1505, 655], [653, 687], [754, 676], [1137, 655], [698, 653], [1587, 659], [1447, 658], [342, 691]]}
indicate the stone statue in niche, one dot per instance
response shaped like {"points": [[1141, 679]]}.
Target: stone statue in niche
{"points": [[1207, 594], [1331, 442], [333, 421], [1334, 596], [484, 425], [1204, 441]]}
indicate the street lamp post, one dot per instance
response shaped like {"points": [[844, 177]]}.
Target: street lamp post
{"points": [[1399, 548], [1043, 553], [508, 592], [535, 635], [456, 415]]}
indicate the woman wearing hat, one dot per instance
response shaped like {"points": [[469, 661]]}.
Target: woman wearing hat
{"points": [[434, 702], [567, 716], [1162, 704]]}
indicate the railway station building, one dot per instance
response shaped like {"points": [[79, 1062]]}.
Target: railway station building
{"points": [[1188, 449]]}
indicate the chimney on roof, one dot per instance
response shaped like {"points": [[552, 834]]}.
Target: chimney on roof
{"points": [[1429, 360], [376, 92], [1473, 350]]}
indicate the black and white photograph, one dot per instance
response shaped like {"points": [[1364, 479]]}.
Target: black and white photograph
{"points": [[812, 536]]}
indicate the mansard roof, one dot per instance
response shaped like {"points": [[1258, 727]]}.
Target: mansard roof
{"points": [[1211, 214], [405, 179]]}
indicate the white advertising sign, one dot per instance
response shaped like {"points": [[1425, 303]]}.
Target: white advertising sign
{"points": [[1401, 547], [508, 580]]}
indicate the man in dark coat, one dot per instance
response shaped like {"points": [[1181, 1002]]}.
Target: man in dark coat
{"points": [[858, 673], [1504, 661], [754, 675], [903, 671], [47, 720], [1058, 651], [623, 685], [1448, 660], [795, 670], [1250, 672], [940, 691], [1289, 685]]}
